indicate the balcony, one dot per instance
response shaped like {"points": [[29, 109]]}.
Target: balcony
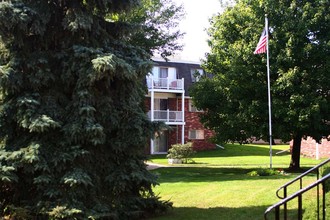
{"points": [[165, 83], [171, 117]]}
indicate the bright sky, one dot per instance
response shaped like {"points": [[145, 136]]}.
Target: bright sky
{"points": [[194, 25]]}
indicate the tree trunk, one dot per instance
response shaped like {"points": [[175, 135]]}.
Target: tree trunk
{"points": [[273, 141], [295, 153]]}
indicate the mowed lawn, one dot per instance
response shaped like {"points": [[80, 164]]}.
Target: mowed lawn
{"points": [[216, 184]]}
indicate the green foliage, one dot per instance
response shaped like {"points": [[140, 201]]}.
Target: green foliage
{"points": [[62, 212], [236, 97], [72, 120], [263, 172], [156, 14], [253, 173], [181, 151], [324, 171], [19, 213]]}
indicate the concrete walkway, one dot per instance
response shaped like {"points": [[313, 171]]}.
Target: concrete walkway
{"points": [[153, 166]]}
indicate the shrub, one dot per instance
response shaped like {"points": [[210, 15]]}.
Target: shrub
{"points": [[181, 151], [253, 173], [263, 172]]}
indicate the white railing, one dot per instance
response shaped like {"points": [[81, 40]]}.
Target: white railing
{"points": [[167, 116], [165, 83]]}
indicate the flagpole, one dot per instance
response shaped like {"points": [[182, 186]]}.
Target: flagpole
{"points": [[269, 97]]}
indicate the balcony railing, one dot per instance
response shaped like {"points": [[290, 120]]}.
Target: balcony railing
{"points": [[167, 116], [165, 83]]}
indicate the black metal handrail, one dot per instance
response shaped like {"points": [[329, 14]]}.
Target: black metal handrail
{"points": [[284, 187], [298, 194], [300, 178]]}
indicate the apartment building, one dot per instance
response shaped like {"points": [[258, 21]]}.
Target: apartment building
{"points": [[168, 101]]}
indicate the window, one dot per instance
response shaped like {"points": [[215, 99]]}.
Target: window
{"points": [[192, 108], [196, 74], [196, 134], [163, 72], [161, 104]]}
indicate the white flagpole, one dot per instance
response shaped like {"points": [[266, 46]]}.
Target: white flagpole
{"points": [[269, 97]]}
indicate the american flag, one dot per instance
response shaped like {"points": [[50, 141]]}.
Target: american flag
{"points": [[262, 44]]}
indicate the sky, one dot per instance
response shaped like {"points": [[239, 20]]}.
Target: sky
{"points": [[194, 25]]}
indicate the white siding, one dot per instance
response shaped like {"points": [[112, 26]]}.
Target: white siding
{"points": [[155, 72], [171, 73]]}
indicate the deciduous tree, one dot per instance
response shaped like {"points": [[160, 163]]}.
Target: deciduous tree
{"points": [[236, 98]]}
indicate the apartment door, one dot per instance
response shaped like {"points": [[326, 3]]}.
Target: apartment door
{"points": [[161, 104], [160, 142]]}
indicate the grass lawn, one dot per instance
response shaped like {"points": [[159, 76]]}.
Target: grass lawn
{"points": [[248, 155], [216, 185]]}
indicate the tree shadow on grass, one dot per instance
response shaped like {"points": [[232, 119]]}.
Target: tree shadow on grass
{"points": [[208, 174], [219, 213]]}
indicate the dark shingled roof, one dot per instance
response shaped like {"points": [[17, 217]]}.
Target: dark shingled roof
{"points": [[182, 70]]}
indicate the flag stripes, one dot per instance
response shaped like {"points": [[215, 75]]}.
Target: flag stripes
{"points": [[262, 44]]}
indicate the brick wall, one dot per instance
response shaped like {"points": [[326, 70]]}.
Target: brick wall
{"points": [[193, 123], [309, 148]]}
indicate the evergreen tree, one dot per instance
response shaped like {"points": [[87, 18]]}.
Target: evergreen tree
{"points": [[72, 119]]}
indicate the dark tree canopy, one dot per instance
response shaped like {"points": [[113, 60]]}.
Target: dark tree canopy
{"points": [[72, 122], [236, 98]]}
